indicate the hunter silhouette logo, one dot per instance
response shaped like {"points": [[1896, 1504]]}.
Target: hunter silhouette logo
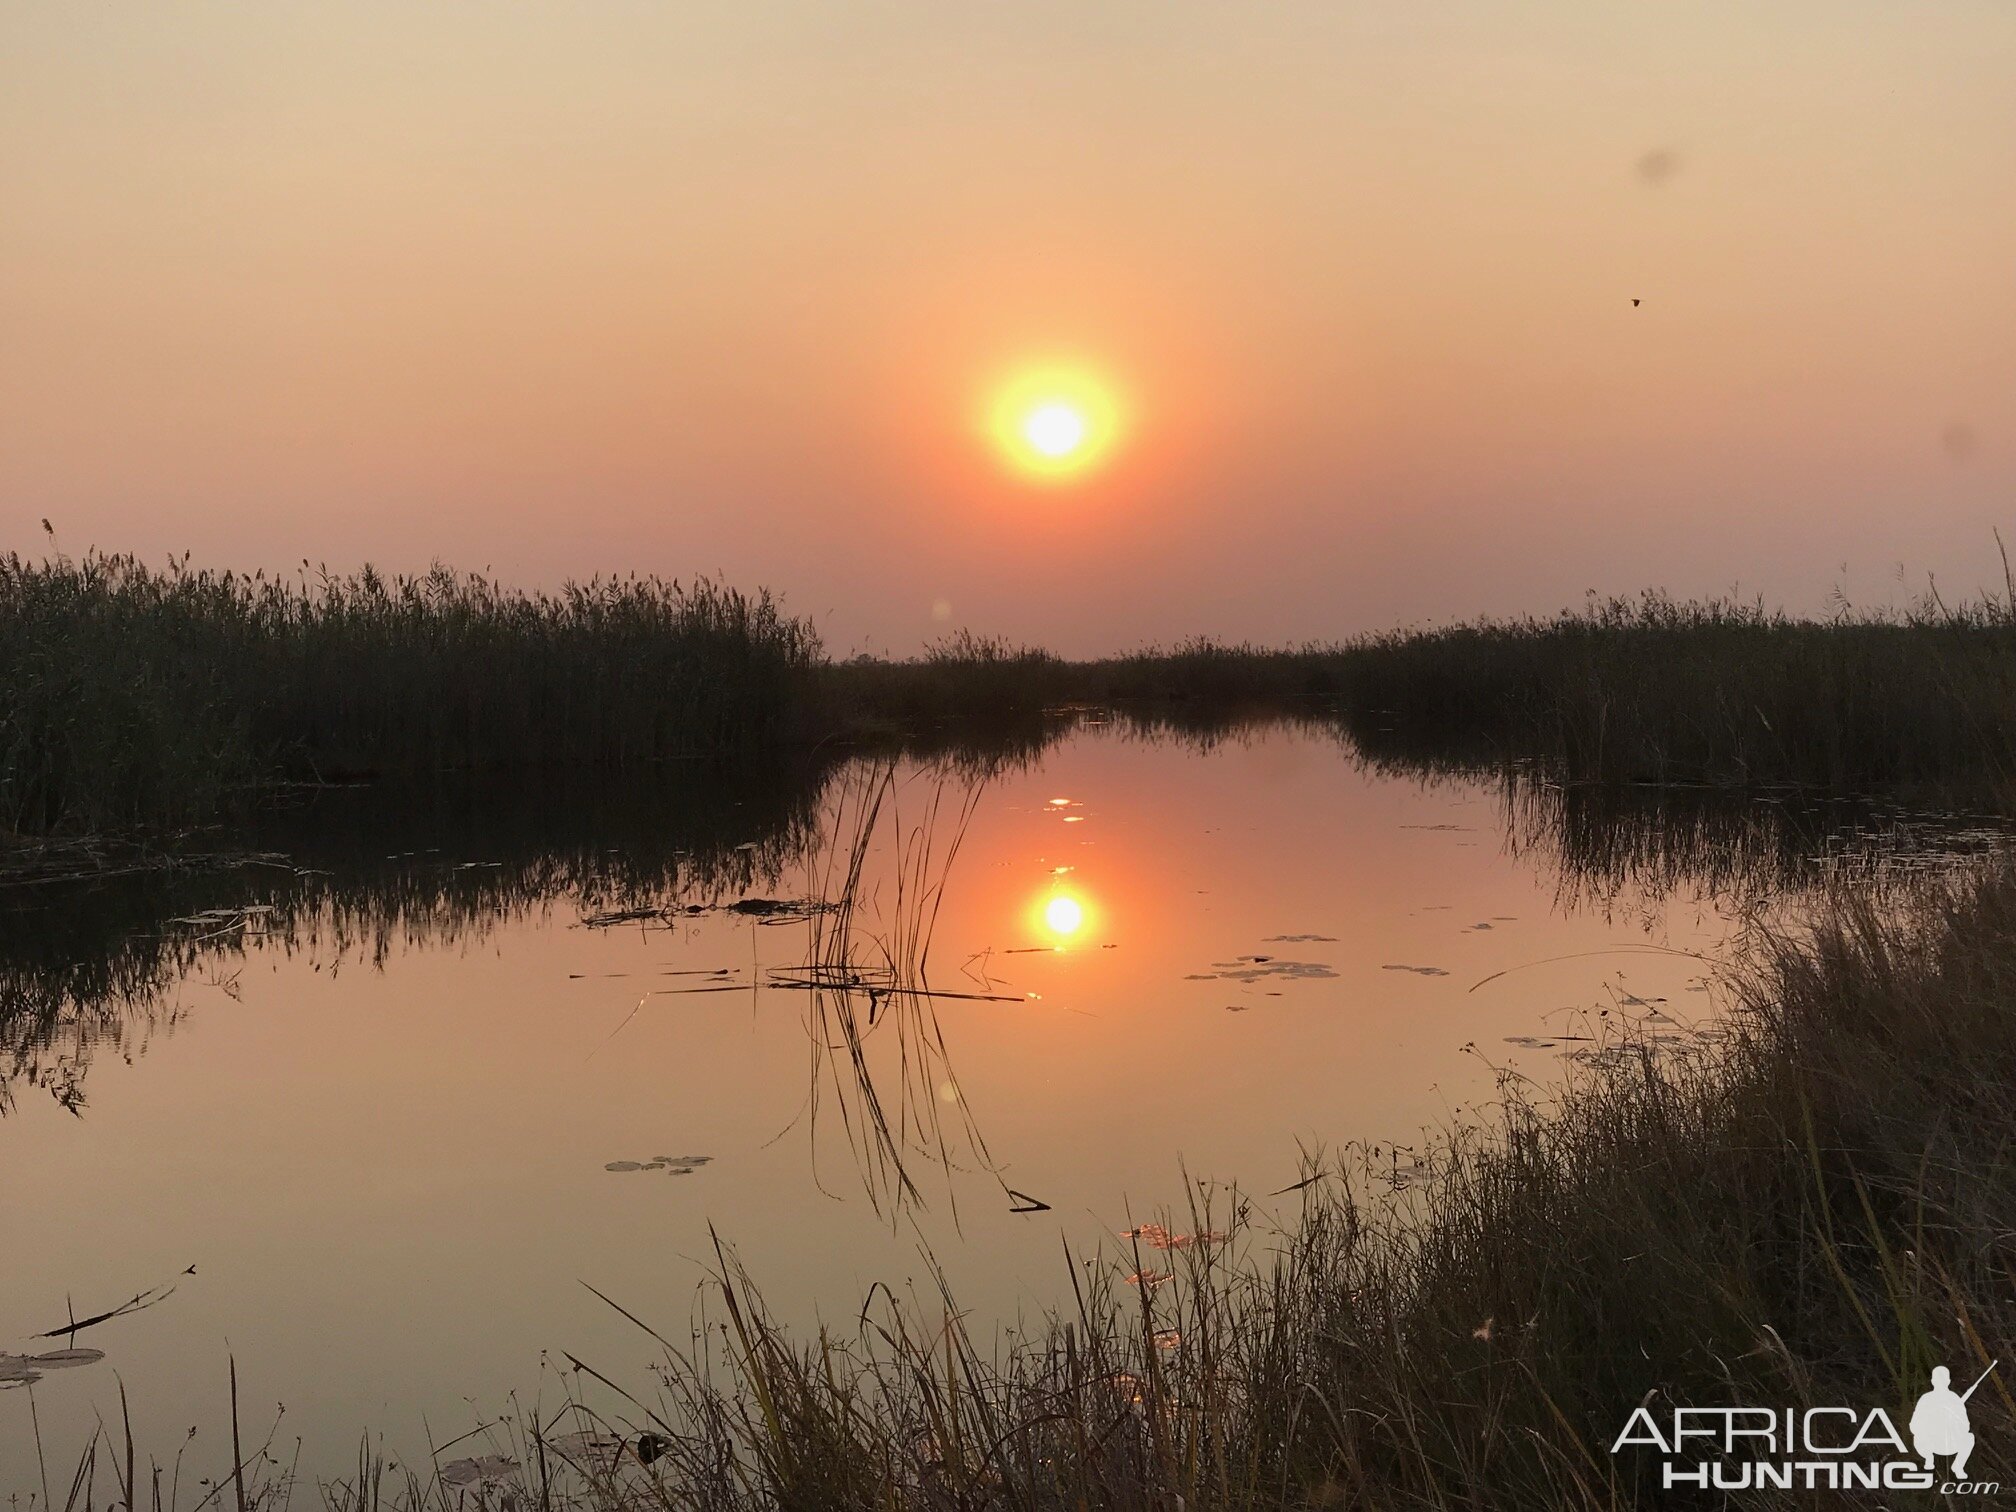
{"points": [[1814, 1448], [1939, 1422]]}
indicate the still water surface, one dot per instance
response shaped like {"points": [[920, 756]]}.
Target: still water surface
{"points": [[379, 1120]]}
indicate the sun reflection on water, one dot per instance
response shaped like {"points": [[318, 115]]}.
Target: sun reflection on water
{"points": [[1061, 918]]}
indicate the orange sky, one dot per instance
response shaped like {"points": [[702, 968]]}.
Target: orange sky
{"points": [[696, 287]]}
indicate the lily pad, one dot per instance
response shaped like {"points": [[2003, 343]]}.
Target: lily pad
{"points": [[64, 1359], [484, 1470], [1253, 968]]}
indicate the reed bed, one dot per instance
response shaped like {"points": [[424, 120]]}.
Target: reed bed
{"points": [[1645, 690], [144, 697], [1654, 690]]}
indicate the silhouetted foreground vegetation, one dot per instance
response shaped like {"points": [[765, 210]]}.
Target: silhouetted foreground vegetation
{"points": [[1808, 1212], [1658, 691], [143, 698], [1645, 690]]}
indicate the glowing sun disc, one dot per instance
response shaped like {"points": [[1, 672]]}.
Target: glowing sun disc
{"points": [[1064, 915], [1055, 430], [1055, 423]]}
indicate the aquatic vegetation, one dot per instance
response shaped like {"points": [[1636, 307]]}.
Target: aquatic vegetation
{"points": [[1263, 968], [140, 696], [1802, 1208], [150, 699], [1657, 690], [672, 1165]]}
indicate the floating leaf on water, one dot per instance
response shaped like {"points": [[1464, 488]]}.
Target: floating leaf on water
{"points": [[1149, 1278], [1158, 1237], [1253, 968], [782, 908], [585, 1444], [624, 1165], [486, 1469], [1301, 939], [678, 1165], [1237, 1007], [1417, 970], [65, 1359], [619, 916]]}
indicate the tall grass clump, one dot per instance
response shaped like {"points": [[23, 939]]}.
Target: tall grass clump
{"points": [[138, 696]]}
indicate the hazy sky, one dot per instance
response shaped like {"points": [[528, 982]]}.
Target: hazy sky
{"points": [[722, 287]]}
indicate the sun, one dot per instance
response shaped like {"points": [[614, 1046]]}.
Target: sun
{"points": [[1055, 430], [1055, 423], [1064, 915]]}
